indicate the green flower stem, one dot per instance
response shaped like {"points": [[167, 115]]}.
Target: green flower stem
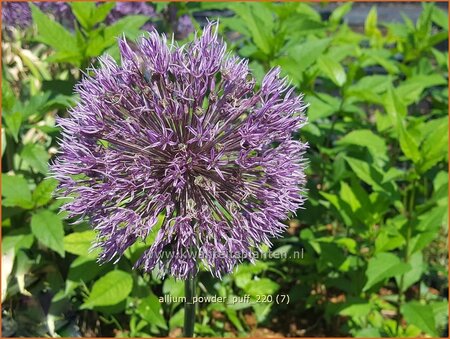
{"points": [[189, 308]]}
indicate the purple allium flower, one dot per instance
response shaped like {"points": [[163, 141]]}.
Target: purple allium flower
{"points": [[60, 10], [184, 27], [16, 14], [123, 9], [181, 132]]}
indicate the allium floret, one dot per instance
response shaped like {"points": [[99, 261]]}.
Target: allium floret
{"points": [[177, 143]]}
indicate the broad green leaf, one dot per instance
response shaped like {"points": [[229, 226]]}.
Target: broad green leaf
{"points": [[48, 229], [440, 17], [383, 266], [79, 243], [366, 138], [333, 70], [349, 197], [13, 122], [393, 174], [104, 38], [371, 23], [340, 205], [83, 12], [421, 316], [408, 144], [356, 310], [413, 275], [36, 157], [421, 240], [101, 12], [17, 242], [233, 317], [16, 192], [110, 289], [434, 147], [259, 21], [150, 310], [388, 241], [410, 91], [369, 332], [369, 89], [433, 219], [394, 106], [338, 14], [52, 33], [321, 106], [262, 286], [366, 172], [43, 192], [174, 287], [304, 55]]}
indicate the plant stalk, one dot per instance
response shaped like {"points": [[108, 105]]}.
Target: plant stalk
{"points": [[189, 307]]}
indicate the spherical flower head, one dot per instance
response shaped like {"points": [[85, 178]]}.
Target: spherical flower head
{"points": [[122, 9], [16, 14], [175, 144], [184, 27], [60, 10]]}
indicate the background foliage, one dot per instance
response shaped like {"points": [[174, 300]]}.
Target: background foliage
{"points": [[373, 232]]}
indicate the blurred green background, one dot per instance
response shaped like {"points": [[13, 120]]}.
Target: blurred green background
{"points": [[374, 229]]}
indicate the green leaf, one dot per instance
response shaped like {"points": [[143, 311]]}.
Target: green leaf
{"points": [[369, 88], [434, 147], [304, 55], [321, 106], [259, 23], [101, 12], [356, 310], [413, 275], [388, 241], [83, 12], [366, 138], [16, 192], [17, 242], [43, 192], [333, 70], [262, 286], [36, 157], [364, 171], [233, 317], [48, 229], [370, 25], [13, 122], [338, 14], [349, 197], [150, 310], [52, 33], [440, 17], [103, 38], [395, 108], [408, 144], [110, 289], [79, 243], [421, 240], [421, 316], [383, 266], [410, 91]]}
